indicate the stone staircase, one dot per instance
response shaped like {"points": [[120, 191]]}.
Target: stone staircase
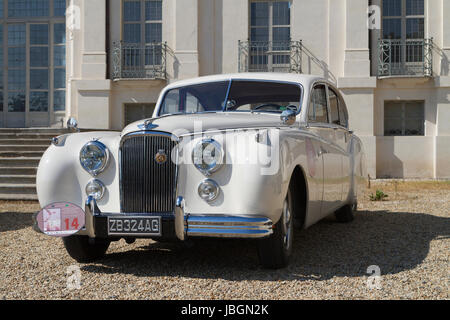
{"points": [[20, 152]]}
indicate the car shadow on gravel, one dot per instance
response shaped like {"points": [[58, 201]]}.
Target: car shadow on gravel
{"points": [[394, 241], [11, 221]]}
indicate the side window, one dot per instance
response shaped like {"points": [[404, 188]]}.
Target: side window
{"points": [[318, 106], [193, 104], [343, 114], [171, 102], [334, 107]]}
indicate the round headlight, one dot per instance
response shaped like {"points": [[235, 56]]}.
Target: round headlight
{"points": [[94, 157], [96, 189], [208, 190], [208, 156]]}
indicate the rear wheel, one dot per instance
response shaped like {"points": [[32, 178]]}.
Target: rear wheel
{"points": [[346, 213], [83, 250], [275, 251]]}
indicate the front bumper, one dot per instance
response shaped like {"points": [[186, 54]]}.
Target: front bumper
{"points": [[182, 225]]}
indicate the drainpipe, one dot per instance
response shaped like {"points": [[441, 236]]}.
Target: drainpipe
{"points": [[72, 13]]}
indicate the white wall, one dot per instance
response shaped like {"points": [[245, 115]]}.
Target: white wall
{"points": [[203, 39], [405, 157]]}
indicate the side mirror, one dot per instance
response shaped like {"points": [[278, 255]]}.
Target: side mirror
{"points": [[72, 125], [288, 117]]}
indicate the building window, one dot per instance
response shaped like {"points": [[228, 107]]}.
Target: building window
{"points": [[404, 118], [32, 75], [142, 21], [403, 19], [270, 32], [142, 32], [28, 8], [138, 111]]}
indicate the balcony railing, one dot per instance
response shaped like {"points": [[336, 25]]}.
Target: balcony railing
{"points": [[270, 56], [139, 61], [405, 57]]}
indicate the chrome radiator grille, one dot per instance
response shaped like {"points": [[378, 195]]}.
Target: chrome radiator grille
{"points": [[147, 186]]}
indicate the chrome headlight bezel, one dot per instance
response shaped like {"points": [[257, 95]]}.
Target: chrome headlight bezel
{"points": [[105, 155], [200, 147], [101, 186], [212, 185]]}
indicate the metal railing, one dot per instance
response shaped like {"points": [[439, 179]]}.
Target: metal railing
{"points": [[405, 57], [139, 61], [270, 56]]}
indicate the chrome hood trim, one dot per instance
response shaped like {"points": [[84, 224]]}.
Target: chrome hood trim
{"points": [[184, 124]]}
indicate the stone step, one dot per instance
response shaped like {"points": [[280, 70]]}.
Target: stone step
{"points": [[18, 171], [21, 154], [56, 131], [24, 147], [12, 136], [19, 162], [18, 179], [11, 188], [17, 142], [18, 197]]}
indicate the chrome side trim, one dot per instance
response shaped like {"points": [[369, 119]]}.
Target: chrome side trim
{"points": [[228, 226], [180, 219]]}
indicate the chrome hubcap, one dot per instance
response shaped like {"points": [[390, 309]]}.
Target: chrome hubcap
{"points": [[287, 228]]}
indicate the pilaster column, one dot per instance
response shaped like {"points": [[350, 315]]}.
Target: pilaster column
{"points": [[357, 62], [94, 40], [186, 63]]}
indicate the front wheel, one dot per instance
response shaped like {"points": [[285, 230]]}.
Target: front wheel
{"points": [[83, 250], [275, 251], [346, 213]]}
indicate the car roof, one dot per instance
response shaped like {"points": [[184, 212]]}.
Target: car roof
{"points": [[305, 79]]}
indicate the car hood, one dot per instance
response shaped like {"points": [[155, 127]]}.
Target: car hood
{"points": [[182, 124]]}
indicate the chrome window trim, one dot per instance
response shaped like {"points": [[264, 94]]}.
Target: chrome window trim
{"points": [[325, 124], [313, 123], [158, 106], [273, 81], [340, 99]]}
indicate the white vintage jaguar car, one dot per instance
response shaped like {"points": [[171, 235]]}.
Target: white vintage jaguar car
{"points": [[229, 156]]}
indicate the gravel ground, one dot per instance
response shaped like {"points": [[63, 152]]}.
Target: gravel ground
{"points": [[407, 237]]}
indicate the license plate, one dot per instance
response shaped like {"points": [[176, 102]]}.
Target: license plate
{"points": [[134, 226]]}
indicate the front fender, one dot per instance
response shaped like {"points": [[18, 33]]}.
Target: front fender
{"points": [[60, 177]]}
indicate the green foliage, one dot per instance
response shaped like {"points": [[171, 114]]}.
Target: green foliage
{"points": [[378, 196]]}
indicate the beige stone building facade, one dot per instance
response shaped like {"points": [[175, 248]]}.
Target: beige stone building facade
{"points": [[390, 58]]}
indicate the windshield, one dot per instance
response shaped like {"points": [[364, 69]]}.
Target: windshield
{"points": [[242, 95]]}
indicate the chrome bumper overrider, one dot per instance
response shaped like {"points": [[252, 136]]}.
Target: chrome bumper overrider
{"points": [[190, 225]]}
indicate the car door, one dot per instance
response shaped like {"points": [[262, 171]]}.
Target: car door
{"points": [[319, 125], [338, 119]]}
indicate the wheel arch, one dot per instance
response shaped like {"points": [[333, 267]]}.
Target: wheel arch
{"points": [[299, 188]]}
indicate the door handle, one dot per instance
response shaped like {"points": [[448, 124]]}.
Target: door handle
{"points": [[321, 152]]}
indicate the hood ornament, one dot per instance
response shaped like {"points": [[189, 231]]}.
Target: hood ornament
{"points": [[148, 124]]}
